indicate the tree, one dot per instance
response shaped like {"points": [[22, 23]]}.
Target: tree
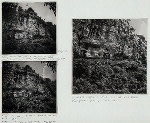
{"points": [[52, 6], [116, 73], [9, 11], [32, 95], [51, 64], [51, 29]]}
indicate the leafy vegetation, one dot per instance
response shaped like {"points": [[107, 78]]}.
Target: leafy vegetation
{"points": [[108, 57], [52, 6], [24, 32], [24, 91]]}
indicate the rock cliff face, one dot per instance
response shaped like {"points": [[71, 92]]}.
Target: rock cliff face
{"points": [[29, 25], [27, 91], [113, 37], [24, 32], [108, 57]]}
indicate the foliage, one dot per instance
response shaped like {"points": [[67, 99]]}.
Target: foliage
{"points": [[51, 30], [30, 33], [9, 12], [24, 91], [52, 6], [116, 60], [51, 64]]}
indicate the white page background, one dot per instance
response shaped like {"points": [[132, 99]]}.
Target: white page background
{"points": [[127, 109]]}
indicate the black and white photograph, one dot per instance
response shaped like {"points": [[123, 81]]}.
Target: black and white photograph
{"points": [[29, 87], [109, 56], [29, 28]]}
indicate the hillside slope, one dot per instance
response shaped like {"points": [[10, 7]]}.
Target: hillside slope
{"points": [[25, 91], [108, 57]]}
